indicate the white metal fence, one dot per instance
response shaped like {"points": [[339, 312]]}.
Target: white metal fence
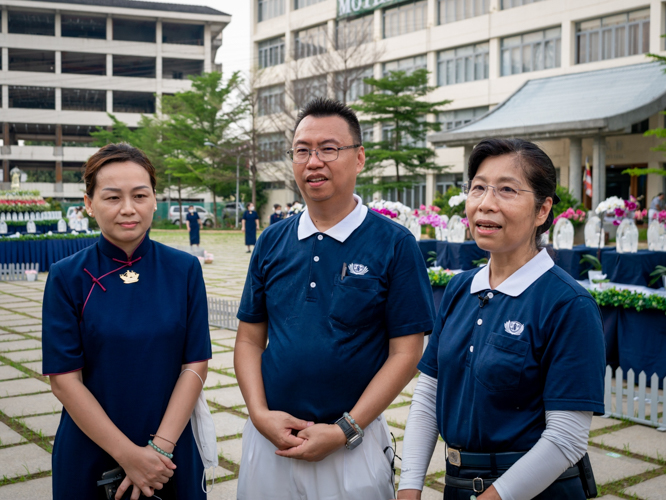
{"points": [[623, 400], [222, 313], [16, 272]]}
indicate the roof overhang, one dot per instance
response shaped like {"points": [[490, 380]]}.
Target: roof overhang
{"points": [[602, 102]]}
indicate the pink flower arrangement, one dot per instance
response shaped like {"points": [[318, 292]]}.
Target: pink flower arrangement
{"points": [[386, 212], [465, 221], [433, 220], [639, 215], [661, 217], [571, 214]]}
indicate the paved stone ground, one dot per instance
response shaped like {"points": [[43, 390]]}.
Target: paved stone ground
{"points": [[628, 459]]}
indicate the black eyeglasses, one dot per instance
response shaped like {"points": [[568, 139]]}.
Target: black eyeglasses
{"points": [[301, 154]]}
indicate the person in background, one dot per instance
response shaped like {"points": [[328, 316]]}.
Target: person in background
{"points": [[514, 369], [277, 214], [656, 206], [289, 211], [193, 224], [125, 344], [249, 226]]}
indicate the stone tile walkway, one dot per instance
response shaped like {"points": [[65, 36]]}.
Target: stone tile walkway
{"points": [[628, 459]]}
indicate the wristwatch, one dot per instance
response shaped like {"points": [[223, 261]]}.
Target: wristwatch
{"points": [[353, 437]]}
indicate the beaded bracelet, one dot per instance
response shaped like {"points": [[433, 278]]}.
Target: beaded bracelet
{"points": [[160, 450], [353, 422]]}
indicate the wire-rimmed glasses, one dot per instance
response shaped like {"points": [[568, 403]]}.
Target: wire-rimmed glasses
{"points": [[477, 190], [301, 154]]}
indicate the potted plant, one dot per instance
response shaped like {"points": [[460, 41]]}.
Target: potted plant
{"points": [[31, 274], [594, 272], [659, 272]]}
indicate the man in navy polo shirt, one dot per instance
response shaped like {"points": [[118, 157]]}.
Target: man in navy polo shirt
{"points": [[343, 296]]}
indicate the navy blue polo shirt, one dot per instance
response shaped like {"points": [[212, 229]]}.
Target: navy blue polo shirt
{"points": [[536, 345], [329, 332]]}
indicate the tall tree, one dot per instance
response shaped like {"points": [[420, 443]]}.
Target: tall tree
{"points": [[399, 103], [207, 112]]}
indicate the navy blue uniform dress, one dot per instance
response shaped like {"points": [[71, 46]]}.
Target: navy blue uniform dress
{"points": [[193, 219], [534, 344], [250, 227], [128, 324], [329, 331], [276, 218]]}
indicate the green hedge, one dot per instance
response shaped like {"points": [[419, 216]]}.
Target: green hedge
{"points": [[50, 237]]}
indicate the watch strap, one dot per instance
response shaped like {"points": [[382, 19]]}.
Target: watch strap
{"points": [[346, 427]]}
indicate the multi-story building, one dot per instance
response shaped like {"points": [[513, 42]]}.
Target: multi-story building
{"points": [[66, 64], [479, 53]]}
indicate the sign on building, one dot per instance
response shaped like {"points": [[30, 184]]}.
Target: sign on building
{"points": [[357, 7]]}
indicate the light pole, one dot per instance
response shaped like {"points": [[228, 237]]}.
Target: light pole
{"points": [[210, 144]]}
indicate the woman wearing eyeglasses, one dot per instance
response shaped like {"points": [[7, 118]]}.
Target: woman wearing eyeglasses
{"points": [[514, 368]]}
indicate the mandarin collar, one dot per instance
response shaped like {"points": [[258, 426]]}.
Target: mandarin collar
{"points": [[519, 281], [117, 253]]}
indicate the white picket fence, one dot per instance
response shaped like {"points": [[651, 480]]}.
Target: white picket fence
{"points": [[222, 313], [623, 401], [16, 272]]}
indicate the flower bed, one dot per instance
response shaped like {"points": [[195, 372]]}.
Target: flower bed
{"points": [[22, 201], [628, 299]]}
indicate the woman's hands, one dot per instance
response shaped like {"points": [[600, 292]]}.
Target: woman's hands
{"points": [[277, 427], [146, 470]]}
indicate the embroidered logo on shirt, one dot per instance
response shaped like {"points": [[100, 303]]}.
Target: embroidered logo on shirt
{"points": [[129, 277], [514, 327], [358, 269]]}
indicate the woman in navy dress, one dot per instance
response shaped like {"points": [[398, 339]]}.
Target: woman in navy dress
{"points": [[250, 224], [193, 225], [514, 368], [125, 326]]}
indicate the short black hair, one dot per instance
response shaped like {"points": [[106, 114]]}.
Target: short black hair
{"points": [[276, 206], [322, 107], [538, 167]]}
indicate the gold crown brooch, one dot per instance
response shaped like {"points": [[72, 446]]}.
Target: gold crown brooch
{"points": [[129, 277]]}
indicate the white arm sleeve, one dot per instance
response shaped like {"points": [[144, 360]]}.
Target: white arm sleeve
{"points": [[562, 444], [420, 434]]}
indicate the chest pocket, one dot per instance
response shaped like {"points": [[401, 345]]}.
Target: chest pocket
{"points": [[354, 301], [500, 362]]}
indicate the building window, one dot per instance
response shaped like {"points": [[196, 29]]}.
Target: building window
{"points": [[352, 33], [408, 65], [134, 66], [414, 196], [450, 11], [531, 51], [368, 132], [31, 23], [271, 52], [180, 69], [132, 30], [464, 64], [78, 26], [309, 88], [615, 36], [183, 34], [272, 147], [271, 100], [268, 9], [444, 181], [349, 85], [42, 61], [31, 97], [133, 102], [405, 18], [299, 4], [508, 4], [459, 117], [83, 100], [83, 63], [310, 42]]}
